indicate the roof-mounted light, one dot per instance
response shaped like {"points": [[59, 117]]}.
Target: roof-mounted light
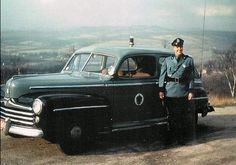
{"points": [[131, 41]]}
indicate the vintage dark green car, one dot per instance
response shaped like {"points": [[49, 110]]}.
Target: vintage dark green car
{"points": [[100, 90]]}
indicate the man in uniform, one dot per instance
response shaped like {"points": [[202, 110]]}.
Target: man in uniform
{"points": [[176, 88]]}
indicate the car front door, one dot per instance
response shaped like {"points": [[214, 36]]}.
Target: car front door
{"points": [[136, 91]]}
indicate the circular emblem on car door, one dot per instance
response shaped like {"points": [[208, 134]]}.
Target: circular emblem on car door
{"points": [[139, 99]]}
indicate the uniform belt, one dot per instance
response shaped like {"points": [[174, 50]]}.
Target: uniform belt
{"points": [[177, 80]]}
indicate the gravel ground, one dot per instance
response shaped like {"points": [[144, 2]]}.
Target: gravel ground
{"points": [[215, 143]]}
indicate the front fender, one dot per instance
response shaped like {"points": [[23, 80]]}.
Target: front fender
{"points": [[61, 102], [93, 112]]}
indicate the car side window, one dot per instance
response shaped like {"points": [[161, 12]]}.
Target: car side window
{"points": [[100, 64], [94, 64], [127, 67], [77, 62], [138, 67]]}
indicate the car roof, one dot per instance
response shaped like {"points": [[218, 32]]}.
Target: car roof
{"points": [[120, 52]]}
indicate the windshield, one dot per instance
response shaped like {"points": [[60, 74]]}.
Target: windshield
{"points": [[77, 62], [100, 64]]}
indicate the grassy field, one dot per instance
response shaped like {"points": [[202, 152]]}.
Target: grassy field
{"points": [[219, 101]]}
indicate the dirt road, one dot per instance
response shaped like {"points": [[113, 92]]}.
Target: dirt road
{"points": [[215, 143]]}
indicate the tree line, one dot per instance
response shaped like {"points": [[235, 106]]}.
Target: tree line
{"points": [[220, 77], [223, 69]]}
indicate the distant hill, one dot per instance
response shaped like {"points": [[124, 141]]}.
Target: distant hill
{"points": [[31, 42]]}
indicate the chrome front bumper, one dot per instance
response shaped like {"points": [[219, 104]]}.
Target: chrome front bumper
{"points": [[18, 119], [21, 130]]}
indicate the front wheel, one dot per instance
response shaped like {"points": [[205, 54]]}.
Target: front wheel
{"points": [[72, 139]]}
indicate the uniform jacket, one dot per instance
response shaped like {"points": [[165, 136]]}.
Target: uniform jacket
{"points": [[182, 68]]}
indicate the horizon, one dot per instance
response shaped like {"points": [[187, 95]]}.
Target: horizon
{"points": [[166, 29], [62, 15]]}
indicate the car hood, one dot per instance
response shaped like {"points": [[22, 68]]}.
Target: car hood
{"points": [[25, 84]]}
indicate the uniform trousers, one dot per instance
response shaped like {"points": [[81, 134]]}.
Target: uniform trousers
{"points": [[179, 110]]}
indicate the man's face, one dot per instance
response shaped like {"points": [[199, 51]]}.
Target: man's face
{"points": [[178, 50]]}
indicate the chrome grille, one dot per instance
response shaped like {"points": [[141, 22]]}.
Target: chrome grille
{"points": [[18, 114]]}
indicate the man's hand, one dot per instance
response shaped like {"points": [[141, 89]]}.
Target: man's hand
{"points": [[190, 96], [161, 95]]}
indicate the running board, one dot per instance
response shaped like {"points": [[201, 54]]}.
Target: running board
{"points": [[139, 126]]}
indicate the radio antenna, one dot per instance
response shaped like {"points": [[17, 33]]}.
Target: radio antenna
{"points": [[203, 35]]}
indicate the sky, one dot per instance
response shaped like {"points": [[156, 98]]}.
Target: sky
{"points": [[67, 14]]}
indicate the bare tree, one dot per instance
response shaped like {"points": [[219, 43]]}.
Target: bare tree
{"points": [[227, 64]]}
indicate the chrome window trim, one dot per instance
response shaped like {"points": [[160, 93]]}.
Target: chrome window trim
{"points": [[63, 70], [100, 54], [82, 107], [137, 78], [139, 55], [86, 61]]}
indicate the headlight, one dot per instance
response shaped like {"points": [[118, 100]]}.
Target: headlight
{"points": [[37, 106]]}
